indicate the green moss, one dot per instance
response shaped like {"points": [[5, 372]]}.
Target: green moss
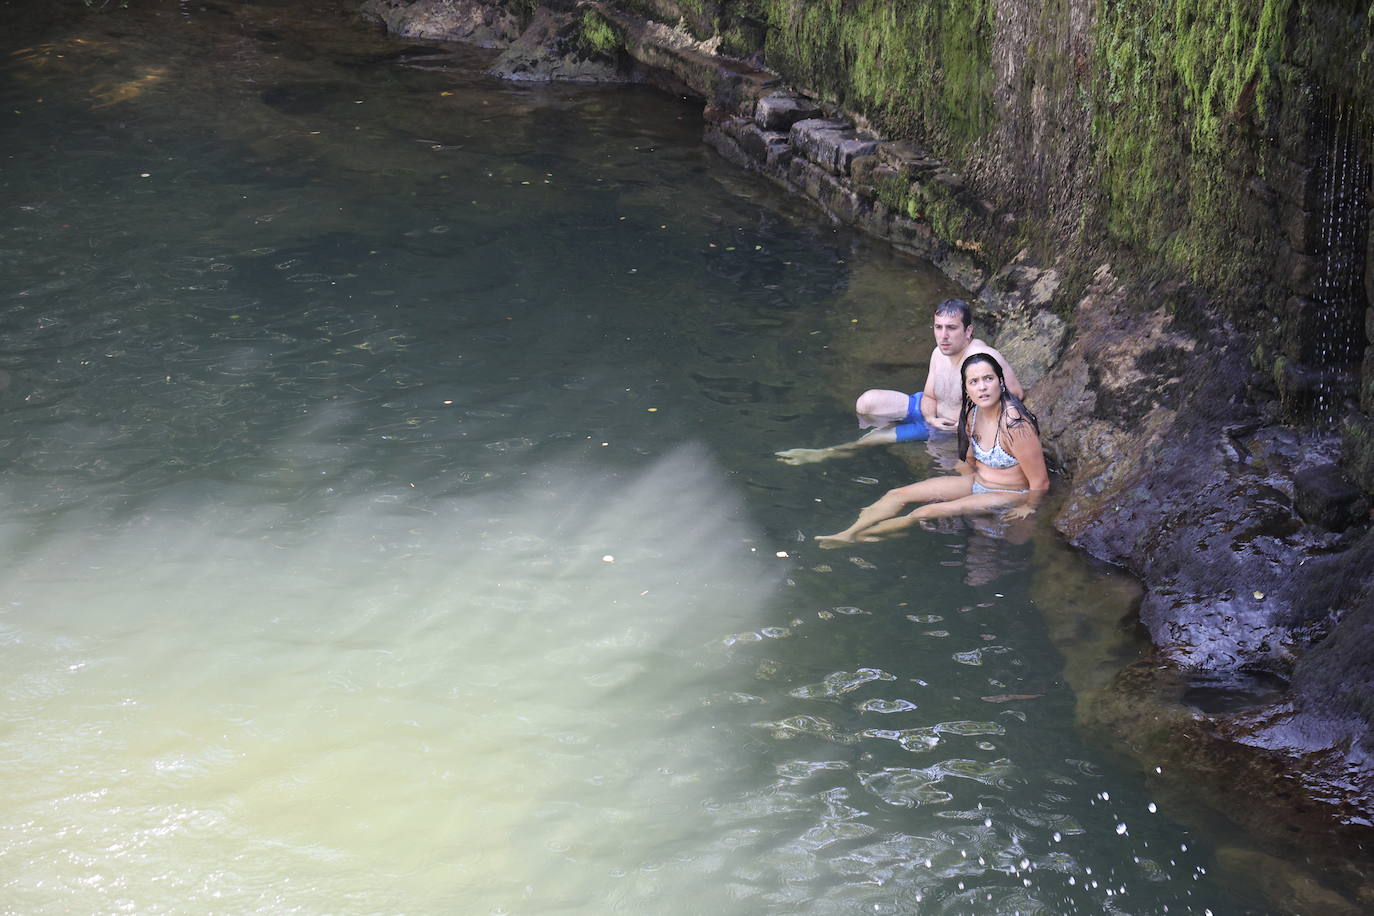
{"points": [[1187, 103], [596, 36], [1280, 377], [1182, 89], [1358, 453], [916, 68], [895, 192]]}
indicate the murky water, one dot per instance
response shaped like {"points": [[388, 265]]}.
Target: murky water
{"points": [[392, 524]]}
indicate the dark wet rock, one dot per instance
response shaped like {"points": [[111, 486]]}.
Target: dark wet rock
{"points": [[910, 160], [487, 25], [1016, 310], [1232, 692], [1032, 343], [1327, 498], [819, 139], [1140, 412], [780, 112], [850, 150], [548, 50], [1333, 683], [1178, 478], [1020, 286], [663, 51], [763, 145]]}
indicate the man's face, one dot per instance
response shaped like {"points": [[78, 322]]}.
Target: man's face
{"points": [[950, 334]]}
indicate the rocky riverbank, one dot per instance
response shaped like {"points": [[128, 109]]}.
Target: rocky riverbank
{"points": [[1168, 411]]}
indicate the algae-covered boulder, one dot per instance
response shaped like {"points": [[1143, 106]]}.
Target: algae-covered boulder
{"points": [[575, 47]]}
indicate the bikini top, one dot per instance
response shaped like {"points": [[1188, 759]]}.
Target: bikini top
{"points": [[995, 457]]}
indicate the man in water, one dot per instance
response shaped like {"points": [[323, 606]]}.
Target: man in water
{"points": [[901, 417]]}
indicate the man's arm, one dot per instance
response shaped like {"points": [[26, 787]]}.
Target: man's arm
{"points": [[930, 404]]}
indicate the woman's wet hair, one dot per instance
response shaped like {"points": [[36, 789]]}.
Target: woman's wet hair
{"points": [[1011, 419]]}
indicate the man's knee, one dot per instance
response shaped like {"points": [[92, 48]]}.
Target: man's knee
{"points": [[877, 402]]}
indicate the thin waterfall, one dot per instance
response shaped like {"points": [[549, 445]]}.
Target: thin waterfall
{"points": [[1343, 183]]}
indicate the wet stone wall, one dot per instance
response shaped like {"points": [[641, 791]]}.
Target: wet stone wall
{"points": [[821, 155], [1325, 213]]}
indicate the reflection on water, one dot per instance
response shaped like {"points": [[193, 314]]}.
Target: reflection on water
{"points": [[393, 525]]}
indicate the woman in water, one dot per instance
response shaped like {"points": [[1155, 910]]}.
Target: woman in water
{"points": [[1008, 464]]}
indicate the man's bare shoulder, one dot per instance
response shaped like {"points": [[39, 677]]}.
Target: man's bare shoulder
{"points": [[982, 346]]}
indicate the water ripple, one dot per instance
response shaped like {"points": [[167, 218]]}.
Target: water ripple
{"points": [[840, 683]]}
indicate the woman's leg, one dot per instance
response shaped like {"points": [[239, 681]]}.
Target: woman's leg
{"points": [[894, 501], [972, 504]]}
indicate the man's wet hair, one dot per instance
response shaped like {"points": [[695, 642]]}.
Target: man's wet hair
{"points": [[958, 307]]}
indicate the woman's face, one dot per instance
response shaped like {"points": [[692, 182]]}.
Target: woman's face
{"points": [[982, 385]]}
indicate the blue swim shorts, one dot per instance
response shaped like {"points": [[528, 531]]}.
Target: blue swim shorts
{"points": [[913, 426]]}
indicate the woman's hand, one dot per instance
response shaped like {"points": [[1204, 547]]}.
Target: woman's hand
{"points": [[1021, 511]]}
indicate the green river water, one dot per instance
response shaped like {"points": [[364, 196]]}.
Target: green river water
{"points": [[392, 524]]}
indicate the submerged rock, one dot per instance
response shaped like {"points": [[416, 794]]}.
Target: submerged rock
{"points": [[306, 98], [1283, 883]]}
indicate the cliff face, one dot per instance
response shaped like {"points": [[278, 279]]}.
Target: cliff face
{"points": [[1164, 209]]}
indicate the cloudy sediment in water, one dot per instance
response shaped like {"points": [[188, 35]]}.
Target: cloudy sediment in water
{"points": [[462, 703]]}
